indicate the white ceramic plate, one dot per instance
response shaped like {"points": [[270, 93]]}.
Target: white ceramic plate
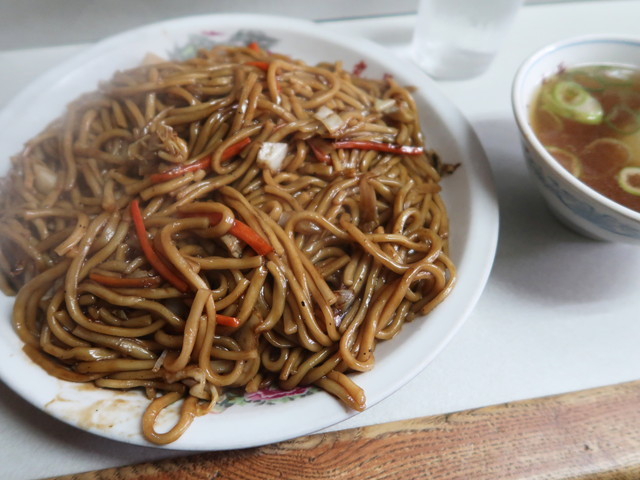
{"points": [[245, 422]]}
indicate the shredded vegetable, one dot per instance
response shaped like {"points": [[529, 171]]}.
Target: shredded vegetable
{"points": [[330, 119], [629, 180], [272, 155], [201, 164], [623, 120], [239, 230], [568, 160], [227, 321], [380, 147], [156, 262], [571, 100]]}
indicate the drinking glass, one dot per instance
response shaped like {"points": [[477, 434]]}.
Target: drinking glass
{"points": [[455, 39]]}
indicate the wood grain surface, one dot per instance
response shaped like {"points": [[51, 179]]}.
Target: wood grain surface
{"points": [[586, 435]]}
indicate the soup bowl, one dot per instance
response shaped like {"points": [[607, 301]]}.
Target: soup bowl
{"points": [[573, 202]]}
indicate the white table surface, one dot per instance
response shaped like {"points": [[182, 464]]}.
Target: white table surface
{"points": [[559, 313]]}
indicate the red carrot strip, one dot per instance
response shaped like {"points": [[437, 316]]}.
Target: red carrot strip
{"points": [[262, 65], [233, 150], [204, 163], [240, 230], [379, 146], [129, 282], [254, 46], [227, 321], [181, 170], [156, 262], [319, 149], [249, 236], [358, 68]]}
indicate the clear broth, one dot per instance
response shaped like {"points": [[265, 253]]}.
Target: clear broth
{"points": [[595, 153]]}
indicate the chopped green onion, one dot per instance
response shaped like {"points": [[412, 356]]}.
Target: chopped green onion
{"points": [[571, 100], [631, 99], [629, 180], [604, 157], [567, 159], [623, 120]]}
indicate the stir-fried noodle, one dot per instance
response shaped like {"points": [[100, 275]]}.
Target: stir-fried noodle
{"points": [[238, 220]]}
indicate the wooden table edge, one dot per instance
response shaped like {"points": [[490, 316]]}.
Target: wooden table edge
{"points": [[584, 435]]}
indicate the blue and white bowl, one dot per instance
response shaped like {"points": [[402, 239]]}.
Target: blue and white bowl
{"points": [[574, 203]]}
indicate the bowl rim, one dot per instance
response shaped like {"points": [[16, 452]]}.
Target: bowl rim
{"points": [[520, 106]]}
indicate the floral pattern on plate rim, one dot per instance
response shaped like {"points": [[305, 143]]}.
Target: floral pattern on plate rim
{"points": [[265, 396], [208, 39]]}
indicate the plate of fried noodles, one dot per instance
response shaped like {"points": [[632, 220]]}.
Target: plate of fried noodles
{"points": [[224, 231]]}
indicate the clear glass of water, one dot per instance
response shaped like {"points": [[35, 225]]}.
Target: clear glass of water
{"points": [[455, 39]]}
